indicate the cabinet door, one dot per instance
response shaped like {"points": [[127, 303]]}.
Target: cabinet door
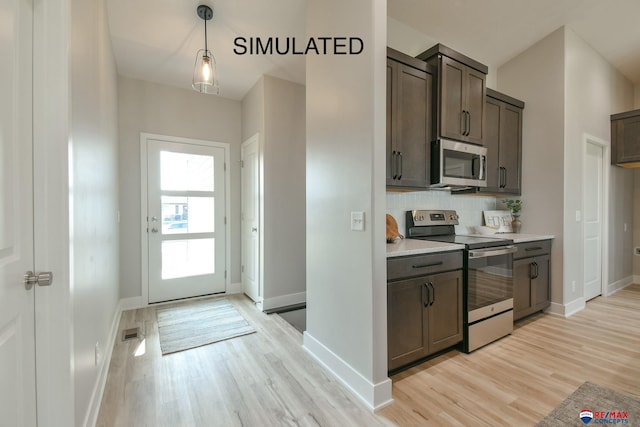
{"points": [[452, 100], [627, 140], [445, 311], [475, 91], [392, 69], [492, 142], [510, 148], [413, 126], [406, 311], [541, 283], [522, 302]]}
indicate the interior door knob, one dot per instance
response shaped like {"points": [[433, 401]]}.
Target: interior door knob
{"points": [[40, 279], [154, 230], [254, 229]]}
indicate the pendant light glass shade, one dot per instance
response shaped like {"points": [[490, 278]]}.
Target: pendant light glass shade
{"points": [[205, 75]]}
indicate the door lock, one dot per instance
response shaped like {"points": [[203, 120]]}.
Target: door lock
{"points": [[40, 279], [154, 230]]}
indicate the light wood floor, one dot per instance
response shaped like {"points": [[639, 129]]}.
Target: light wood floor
{"points": [[261, 379], [267, 379], [518, 380]]}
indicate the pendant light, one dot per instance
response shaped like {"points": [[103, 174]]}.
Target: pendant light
{"points": [[205, 75]]}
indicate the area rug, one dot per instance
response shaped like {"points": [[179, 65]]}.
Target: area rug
{"points": [[592, 404], [199, 323]]}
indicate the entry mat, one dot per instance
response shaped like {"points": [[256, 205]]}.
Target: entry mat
{"points": [[199, 323], [592, 404]]}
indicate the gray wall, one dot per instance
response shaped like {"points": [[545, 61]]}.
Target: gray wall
{"points": [[345, 161], [275, 109], [155, 108], [93, 194], [542, 90]]}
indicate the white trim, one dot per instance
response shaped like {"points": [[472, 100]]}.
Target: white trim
{"points": [[604, 225], [567, 310], [636, 279], [144, 259], [375, 396], [91, 416], [234, 288], [284, 300], [131, 303], [614, 287]]}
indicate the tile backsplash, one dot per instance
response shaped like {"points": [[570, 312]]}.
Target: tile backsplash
{"points": [[469, 207]]}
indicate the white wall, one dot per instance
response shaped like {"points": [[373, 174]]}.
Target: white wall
{"points": [[275, 108], [93, 194], [537, 77], [345, 161], [594, 90], [165, 110]]}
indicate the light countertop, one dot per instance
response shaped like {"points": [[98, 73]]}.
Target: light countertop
{"points": [[406, 247], [517, 237]]}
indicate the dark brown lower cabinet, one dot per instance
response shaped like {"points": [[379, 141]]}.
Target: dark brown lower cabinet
{"points": [[532, 285], [424, 316]]}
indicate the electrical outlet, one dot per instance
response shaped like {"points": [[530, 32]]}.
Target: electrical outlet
{"points": [[97, 354]]}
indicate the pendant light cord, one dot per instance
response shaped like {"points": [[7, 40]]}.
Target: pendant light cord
{"points": [[206, 49]]}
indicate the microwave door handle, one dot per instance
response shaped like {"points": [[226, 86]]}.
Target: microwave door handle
{"points": [[483, 160]]}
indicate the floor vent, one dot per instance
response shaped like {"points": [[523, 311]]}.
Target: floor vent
{"points": [[130, 334]]}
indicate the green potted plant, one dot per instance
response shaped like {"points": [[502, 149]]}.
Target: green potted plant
{"points": [[515, 206]]}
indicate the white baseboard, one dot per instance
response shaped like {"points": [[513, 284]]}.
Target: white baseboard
{"points": [[234, 288], [284, 300], [91, 417], [131, 303], [375, 396], [614, 287], [566, 310]]}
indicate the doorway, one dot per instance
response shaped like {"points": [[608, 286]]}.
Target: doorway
{"points": [[594, 199], [185, 211], [251, 224]]}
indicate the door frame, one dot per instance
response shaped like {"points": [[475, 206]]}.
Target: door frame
{"points": [[144, 241], [604, 225], [260, 204]]}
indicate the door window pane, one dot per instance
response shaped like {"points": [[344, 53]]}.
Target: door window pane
{"points": [[186, 172], [184, 258], [188, 214]]}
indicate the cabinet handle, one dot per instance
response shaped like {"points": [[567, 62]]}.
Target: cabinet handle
{"points": [[463, 124], [535, 248], [425, 303], [504, 181], [393, 164], [400, 169], [432, 294], [468, 123], [433, 264], [533, 270]]}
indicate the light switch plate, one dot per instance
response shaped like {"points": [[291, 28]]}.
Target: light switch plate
{"points": [[357, 221]]}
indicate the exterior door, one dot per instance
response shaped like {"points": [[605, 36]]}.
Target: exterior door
{"points": [[186, 224], [250, 218], [593, 210], [17, 328]]}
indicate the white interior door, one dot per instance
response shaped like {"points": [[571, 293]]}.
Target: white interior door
{"points": [[593, 219], [186, 224], [250, 218], [17, 331]]}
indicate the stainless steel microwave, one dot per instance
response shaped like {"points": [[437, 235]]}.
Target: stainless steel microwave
{"points": [[457, 164]]}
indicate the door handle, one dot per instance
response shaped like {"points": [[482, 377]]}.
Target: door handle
{"points": [[40, 279], [154, 230], [400, 169], [425, 303], [463, 125], [394, 165], [468, 123], [533, 273], [254, 229]]}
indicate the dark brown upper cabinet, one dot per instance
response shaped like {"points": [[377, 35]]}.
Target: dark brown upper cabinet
{"points": [[409, 121], [625, 139], [503, 139], [460, 96]]}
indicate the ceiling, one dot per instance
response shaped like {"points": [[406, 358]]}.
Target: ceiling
{"points": [[156, 40]]}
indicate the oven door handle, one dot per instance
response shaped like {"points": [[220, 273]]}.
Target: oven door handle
{"points": [[502, 250]]}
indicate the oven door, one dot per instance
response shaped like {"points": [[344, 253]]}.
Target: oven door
{"points": [[489, 282]]}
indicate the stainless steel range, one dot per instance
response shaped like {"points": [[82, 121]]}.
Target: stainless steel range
{"points": [[488, 275]]}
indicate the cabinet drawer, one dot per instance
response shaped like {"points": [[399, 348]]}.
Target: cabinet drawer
{"points": [[530, 249], [419, 265]]}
